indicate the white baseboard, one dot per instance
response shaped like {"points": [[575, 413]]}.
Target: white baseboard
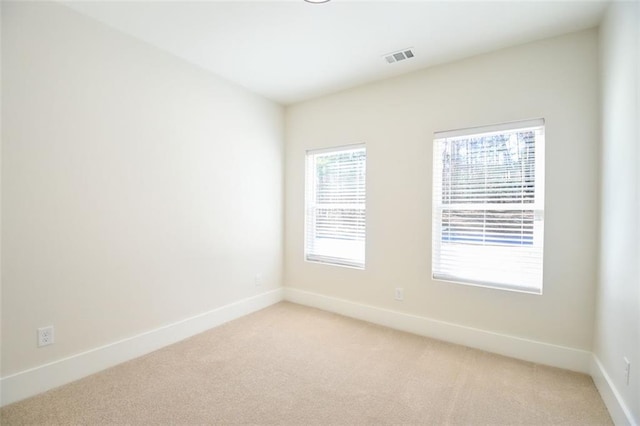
{"points": [[618, 410], [515, 347], [33, 381]]}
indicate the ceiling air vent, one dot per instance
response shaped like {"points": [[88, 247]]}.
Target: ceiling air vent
{"points": [[398, 56]]}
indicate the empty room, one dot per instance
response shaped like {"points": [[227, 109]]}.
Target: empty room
{"points": [[320, 212]]}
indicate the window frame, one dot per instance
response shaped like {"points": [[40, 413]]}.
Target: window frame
{"points": [[469, 249], [311, 206]]}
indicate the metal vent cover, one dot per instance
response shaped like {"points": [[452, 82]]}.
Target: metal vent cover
{"points": [[400, 55]]}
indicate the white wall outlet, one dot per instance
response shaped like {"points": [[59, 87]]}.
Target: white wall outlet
{"points": [[399, 294], [45, 336], [257, 280], [627, 370]]}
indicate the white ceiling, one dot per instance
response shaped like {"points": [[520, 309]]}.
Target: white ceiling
{"points": [[290, 51]]}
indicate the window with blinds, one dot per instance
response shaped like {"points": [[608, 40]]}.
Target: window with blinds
{"points": [[488, 206], [335, 198]]}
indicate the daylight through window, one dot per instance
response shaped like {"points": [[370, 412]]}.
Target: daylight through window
{"points": [[488, 206]]}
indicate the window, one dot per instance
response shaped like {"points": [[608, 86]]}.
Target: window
{"points": [[488, 206], [335, 206]]}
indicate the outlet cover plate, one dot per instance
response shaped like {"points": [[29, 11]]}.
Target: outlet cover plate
{"points": [[627, 370], [45, 336], [399, 294]]}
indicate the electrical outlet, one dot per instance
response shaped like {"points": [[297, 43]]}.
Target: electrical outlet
{"points": [[45, 336], [399, 294], [257, 280], [627, 370]]}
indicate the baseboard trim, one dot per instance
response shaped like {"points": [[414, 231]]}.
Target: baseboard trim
{"points": [[33, 381], [620, 413], [515, 347]]}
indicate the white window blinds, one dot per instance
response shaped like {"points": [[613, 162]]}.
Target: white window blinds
{"points": [[335, 198], [488, 206]]}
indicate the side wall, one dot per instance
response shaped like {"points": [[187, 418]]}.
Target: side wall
{"points": [[617, 333], [138, 190], [556, 79]]}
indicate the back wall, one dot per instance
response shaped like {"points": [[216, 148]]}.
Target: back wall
{"points": [[556, 79]]}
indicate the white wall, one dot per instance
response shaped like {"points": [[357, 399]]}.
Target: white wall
{"points": [[138, 190], [617, 332], [556, 79]]}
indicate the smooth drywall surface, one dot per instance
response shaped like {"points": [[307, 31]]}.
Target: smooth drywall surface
{"points": [[556, 79], [138, 189], [618, 310]]}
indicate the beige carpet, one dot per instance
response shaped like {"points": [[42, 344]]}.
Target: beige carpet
{"points": [[290, 364]]}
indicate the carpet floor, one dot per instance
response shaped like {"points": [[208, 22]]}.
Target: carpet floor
{"points": [[290, 364]]}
